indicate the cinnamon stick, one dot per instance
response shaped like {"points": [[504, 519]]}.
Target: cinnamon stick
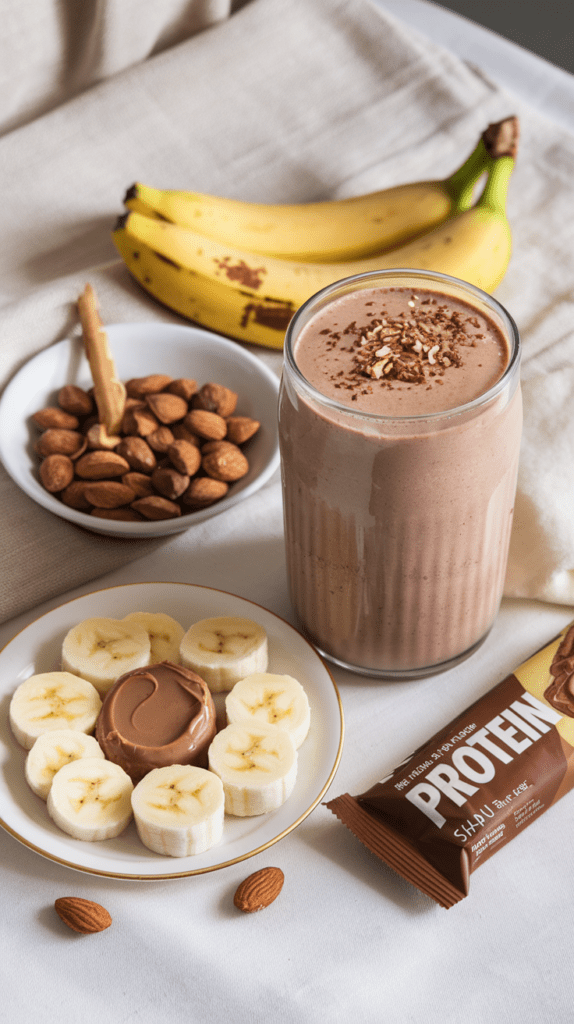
{"points": [[109, 392]]}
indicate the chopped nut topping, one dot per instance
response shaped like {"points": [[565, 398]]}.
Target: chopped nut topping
{"points": [[376, 369], [415, 348]]}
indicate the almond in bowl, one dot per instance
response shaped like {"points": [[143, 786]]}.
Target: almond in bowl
{"points": [[209, 374]]}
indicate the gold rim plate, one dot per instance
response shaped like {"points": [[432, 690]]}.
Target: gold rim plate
{"points": [[37, 649]]}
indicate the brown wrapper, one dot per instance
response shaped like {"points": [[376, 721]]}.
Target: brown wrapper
{"points": [[477, 783]]}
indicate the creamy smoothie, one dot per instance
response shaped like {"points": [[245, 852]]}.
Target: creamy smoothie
{"points": [[400, 420]]}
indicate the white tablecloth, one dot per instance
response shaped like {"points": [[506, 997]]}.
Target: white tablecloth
{"points": [[347, 939]]}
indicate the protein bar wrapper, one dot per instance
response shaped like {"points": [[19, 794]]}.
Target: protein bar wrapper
{"points": [[476, 784]]}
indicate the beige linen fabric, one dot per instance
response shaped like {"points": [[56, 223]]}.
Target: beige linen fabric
{"points": [[342, 99], [539, 292], [51, 50]]}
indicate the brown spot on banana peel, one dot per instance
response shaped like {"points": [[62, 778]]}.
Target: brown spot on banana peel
{"points": [[276, 317], [251, 277]]}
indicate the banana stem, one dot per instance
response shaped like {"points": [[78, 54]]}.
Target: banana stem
{"points": [[497, 141], [496, 189], [460, 186]]}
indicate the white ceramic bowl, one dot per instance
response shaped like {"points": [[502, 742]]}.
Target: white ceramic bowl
{"points": [[140, 349]]}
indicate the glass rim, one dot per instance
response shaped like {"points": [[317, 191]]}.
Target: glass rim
{"points": [[427, 276]]}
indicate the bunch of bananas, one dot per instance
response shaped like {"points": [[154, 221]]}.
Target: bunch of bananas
{"points": [[242, 269]]}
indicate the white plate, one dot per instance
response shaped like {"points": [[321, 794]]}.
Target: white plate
{"points": [[37, 649], [139, 349]]}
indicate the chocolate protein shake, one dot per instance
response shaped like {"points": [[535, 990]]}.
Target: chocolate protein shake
{"points": [[400, 420]]}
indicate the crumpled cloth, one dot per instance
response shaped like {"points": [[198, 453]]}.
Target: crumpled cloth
{"points": [[51, 50], [282, 101]]}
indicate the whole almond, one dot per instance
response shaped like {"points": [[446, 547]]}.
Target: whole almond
{"points": [[185, 457], [138, 387], [167, 408], [81, 915], [140, 483], [108, 493], [58, 441], [138, 454], [206, 424], [259, 890], [156, 507], [215, 398], [241, 428], [51, 416], [74, 496], [138, 419], [203, 491], [169, 482], [183, 386], [228, 464], [160, 439], [99, 465], [56, 472], [75, 400]]}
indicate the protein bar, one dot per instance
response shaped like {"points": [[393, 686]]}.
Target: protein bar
{"points": [[478, 783]]}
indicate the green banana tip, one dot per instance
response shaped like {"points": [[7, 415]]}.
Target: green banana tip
{"points": [[499, 140]]}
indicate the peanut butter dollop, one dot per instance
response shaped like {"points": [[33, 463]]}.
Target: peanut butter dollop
{"points": [[156, 716]]}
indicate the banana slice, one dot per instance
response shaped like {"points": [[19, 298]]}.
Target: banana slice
{"points": [[179, 810], [51, 751], [275, 699], [52, 700], [102, 649], [224, 649], [165, 635], [257, 764], [90, 799]]}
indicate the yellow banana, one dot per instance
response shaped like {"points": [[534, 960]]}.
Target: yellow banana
{"points": [[252, 297], [206, 300], [333, 230]]}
